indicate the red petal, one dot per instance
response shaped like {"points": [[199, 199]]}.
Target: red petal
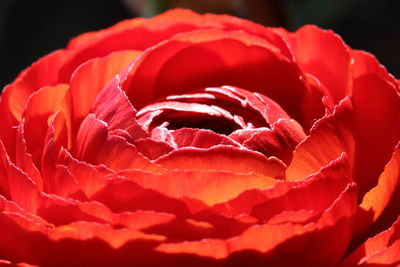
{"points": [[222, 158], [279, 242], [200, 138], [41, 105], [113, 107], [88, 80], [89, 178], [119, 36], [57, 179], [60, 211], [377, 114], [376, 200], [316, 195], [366, 63], [383, 248], [23, 159], [83, 242], [120, 195], [152, 148], [15, 184], [14, 97], [310, 47], [331, 179], [330, 137], [231, 23], [95, 146], [42, 73], [210, 187], [233, 58], [279, 141]]}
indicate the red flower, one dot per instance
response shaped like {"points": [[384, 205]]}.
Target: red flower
{"points": [[196, 140]]}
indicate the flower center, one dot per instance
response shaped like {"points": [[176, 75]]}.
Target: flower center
{"points": [[220, 109]]}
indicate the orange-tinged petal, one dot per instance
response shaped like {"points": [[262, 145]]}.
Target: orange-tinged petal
{"points": [[41, 106], [329, 138], [222, 158], [375, 201], [59, 211], [120, 194], [84, 242], [89, 178], [42, 73], [14, 97], [382, 248], [210, 187], [276, 241], [318, 192]]}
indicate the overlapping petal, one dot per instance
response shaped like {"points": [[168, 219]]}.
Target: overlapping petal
{"points": [[194, 140]]}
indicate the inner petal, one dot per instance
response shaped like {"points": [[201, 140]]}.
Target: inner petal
{"points": [[222, 110]]}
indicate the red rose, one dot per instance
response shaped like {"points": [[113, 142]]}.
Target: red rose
{"points": [[197, 140]]}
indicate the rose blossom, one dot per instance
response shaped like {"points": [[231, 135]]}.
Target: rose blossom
{"points": [[197, 140]]}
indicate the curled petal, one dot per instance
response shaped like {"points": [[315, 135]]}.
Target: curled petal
{"points": [[88, 80], [329, 138]]}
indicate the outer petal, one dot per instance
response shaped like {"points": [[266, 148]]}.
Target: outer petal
{"points": [[323, 186], [376, 101], [74, 244], [41, 106], [284, 242], [311, 46], [15, 184], [14, 97], [376, 200], [380, 249]]}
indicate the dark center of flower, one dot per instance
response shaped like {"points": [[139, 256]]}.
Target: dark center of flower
{"points": [[221, 109]]}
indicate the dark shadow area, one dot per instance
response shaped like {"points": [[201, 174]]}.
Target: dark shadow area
{"points": [[32, 29]]}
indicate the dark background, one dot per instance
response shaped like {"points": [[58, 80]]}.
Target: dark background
{"points": [[29, 29]]}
